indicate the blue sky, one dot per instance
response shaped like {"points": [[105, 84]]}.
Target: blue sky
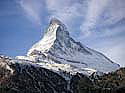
{"points": [[98, 24]]}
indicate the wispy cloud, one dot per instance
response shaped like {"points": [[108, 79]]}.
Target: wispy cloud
{"points": [[115, 11], [95, 9], [34, 9], [71, 12], [83, 14]]}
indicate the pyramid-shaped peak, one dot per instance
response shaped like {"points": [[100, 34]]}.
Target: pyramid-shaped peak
{"points": [[58, 22], [57, 46], [55, 21]]}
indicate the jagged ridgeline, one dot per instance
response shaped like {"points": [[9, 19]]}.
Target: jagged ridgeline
{"points": [[59, 64]]}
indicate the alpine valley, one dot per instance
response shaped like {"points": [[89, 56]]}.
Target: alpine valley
{"points": [[59, 64]]}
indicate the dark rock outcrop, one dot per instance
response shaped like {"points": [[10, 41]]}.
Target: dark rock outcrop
{"points": [[29, 78]]}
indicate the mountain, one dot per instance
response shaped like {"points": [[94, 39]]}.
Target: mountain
{"points": [[59, 64], [57, 47]]}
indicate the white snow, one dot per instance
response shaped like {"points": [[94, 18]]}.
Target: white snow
{"points": [[57, 50], [45, 44]]}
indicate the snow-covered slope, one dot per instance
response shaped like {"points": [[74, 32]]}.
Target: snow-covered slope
{"points": [[57, 47]]}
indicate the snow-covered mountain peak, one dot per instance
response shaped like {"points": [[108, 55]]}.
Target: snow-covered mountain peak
{"points": [[57, 47], [55, 33], [55, 21], [56, 29], [58, 22]]}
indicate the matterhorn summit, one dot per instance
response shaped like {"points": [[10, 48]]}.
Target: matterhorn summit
{"points": [[59, 49]]}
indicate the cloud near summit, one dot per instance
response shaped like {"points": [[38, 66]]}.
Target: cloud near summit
{"points": [[87, 13]]}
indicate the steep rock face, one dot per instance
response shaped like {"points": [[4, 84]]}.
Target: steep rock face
{"points": [[57, 46]]}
